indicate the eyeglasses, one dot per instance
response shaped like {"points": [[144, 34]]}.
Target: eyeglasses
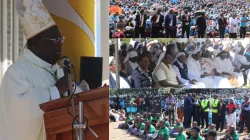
{"points": [[57, 40]]}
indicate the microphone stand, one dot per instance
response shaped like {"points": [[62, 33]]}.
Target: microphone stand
{"points": [[79, 127]]}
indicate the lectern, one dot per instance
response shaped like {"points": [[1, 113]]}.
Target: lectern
{"points": [[58, 122]]}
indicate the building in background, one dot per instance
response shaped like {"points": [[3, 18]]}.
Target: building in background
{"points": [[12, 40]]}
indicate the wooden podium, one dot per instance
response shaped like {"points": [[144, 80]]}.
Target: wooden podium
{"points": [[58, 123]]}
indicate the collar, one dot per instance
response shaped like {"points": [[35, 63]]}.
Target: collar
{"points": [[181, 64], [31, 57]]}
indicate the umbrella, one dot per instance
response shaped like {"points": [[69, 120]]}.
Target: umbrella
{"points": [[151, 12], [115, 9]]}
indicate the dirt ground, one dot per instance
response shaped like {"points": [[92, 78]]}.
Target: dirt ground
{"points": [[118, 134]]}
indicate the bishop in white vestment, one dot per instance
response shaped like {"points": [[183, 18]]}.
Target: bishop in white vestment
{"points": [[34, 78]]}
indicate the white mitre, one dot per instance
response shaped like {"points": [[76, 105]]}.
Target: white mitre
{"points": [[34, 18]]}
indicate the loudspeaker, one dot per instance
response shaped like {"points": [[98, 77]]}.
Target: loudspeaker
{"points": [[91, 71]]}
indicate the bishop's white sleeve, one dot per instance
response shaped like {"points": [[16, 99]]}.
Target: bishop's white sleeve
{"points": [[183, 81], [54, 93], [19, 104]]}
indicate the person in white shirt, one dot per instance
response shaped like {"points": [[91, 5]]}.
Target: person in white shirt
{"points": [[225, 68], [182, 72], [207, 67], [124, 83], [164, 74], [130, 62], [34, 78], [195, 72], [233, 26], [242, 63]]}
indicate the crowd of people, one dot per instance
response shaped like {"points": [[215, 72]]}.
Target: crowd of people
{"points": [[200, 116], [179, 18], [207, 64]]}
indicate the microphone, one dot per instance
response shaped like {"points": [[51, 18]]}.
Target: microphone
{"points": [[66, 62]]}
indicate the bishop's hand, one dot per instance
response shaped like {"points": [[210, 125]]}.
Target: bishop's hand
{"points": [[62, 84]]}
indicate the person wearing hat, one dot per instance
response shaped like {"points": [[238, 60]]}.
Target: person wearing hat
{"points": [[130, 62], [157, 21], [164, 74], [194, 69], [207, 67], [33, 79], [186, 19], [224, 67], [181, 69], [170, 24], [124, 83]]}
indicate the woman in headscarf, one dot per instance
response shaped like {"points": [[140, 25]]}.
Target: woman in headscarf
{"points": [[231, 113], [194, 69], [207, 67], [141, 77], [247, 52], [242, 63], [130, 62], [224, 67], [164, 74]]}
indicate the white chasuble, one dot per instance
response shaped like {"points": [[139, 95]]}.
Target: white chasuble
{"points": [[25, 85]]}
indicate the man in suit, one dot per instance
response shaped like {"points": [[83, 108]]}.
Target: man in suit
{"points": [[221, 115], [201, 25], [222, 21], [157, 21], [140, 24], [186, 19], [245, 114], [170, 24], [188, 110]]}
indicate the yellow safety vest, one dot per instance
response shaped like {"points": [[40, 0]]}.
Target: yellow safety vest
{"points": [[215, 105], [204, 104]]}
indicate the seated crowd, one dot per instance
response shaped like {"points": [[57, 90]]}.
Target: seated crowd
{"points": [[179, 65]]}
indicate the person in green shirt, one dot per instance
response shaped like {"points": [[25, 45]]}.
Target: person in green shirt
{"points": [[139, 126], [196, 133], [189, 131], [231, 134], [149, 117], [158, 117], [180, 135], [149, 131], [136, 122], [128, 122], [205, 132], [174, 132], [163, 133], [212, 135], [167, 124]]}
